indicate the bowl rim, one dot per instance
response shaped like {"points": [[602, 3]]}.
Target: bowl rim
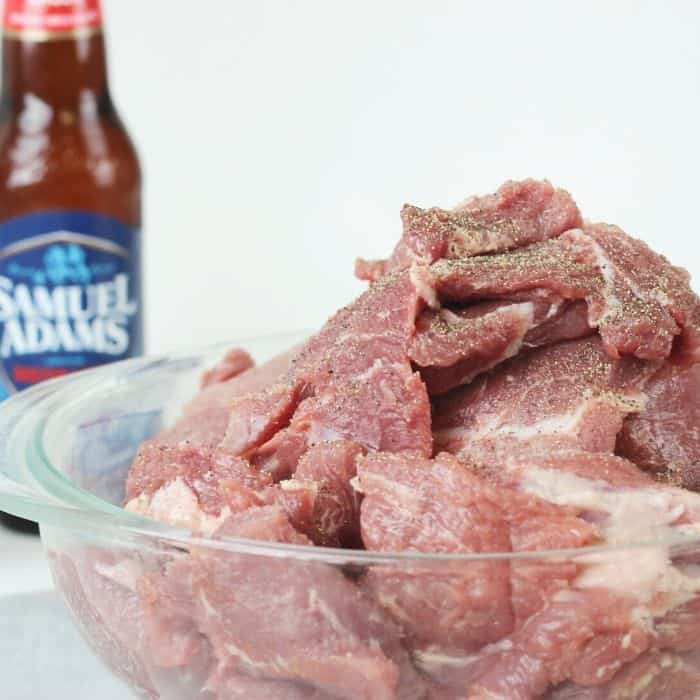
{"points": [[72, 508]]}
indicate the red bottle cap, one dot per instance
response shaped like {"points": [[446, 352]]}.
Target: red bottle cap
{"points": [[50, 19]]}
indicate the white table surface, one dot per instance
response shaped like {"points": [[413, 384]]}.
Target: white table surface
{"points": [[41, 654], [23, 567]]}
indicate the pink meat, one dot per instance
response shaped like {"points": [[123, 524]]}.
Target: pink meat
{"points": [[665, 438], [643, 302], [205, 418], [452, 346], [653, 676], [510, 469], [585, 636], [678, 628], [549, 266], [417, 505], [354, 381], [255, 418], [495, 302], [233, 363], [222, 484], [293, 620], [659, 593], [568, 321], [518, 214], [280, 455], [639, 302], [171, 637], [532, 440], [330, 466], [387, 409], [571, 395], [411, 504], [205, 471]]}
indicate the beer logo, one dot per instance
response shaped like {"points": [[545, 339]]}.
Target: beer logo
{"points": [[67, 301], [63, 264]]}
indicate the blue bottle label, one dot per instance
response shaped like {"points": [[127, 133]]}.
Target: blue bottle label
{"points": [[70, 295]]}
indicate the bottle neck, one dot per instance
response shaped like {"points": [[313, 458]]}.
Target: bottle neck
{"points": [[54, 52]]}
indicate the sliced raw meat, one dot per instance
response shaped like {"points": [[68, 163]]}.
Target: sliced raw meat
{"points": [[653, 676], [639, 302], [255, 418], [665, 438], [512, 468], [566, 321], [550, 266], [234, 362], [198, 488], [417, 505], [376, 327], [205, 419], [280, 455], [540, 528], [411, 504], [355, 382], [336, 518], [293, 620], [386, 410], [190, 486], [571, 395], [625, 508], [168, 612], [585, 636], [447, 336], [678, 629], [452, 346], [580, 618], [518, 214], [575, 343], [644, 302], [203, 470]]}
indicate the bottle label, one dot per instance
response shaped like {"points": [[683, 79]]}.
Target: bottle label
{"points": [[70, 295], [50, 19]]}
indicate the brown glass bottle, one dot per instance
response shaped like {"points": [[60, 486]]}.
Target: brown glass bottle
{"points": [[65, 152]]}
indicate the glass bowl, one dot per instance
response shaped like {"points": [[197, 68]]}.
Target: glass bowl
{"points": [[183, 617]]}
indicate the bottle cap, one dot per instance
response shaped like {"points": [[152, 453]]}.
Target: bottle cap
{"points": [[51, 19]]}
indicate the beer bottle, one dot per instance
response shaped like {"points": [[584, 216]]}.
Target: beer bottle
{"points": [[70, 200]]}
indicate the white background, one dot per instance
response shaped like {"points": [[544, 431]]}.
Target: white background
{"points": [[280, 139]]}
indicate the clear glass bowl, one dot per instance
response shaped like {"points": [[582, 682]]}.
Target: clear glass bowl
{"points": [[180, 617]]}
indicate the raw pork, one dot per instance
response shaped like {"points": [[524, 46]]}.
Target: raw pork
{"points": [[665, 437], [637, 300], [452, 346], [519, 213], [570, 395], [511, 405]]}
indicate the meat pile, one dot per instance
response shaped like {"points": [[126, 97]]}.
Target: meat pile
{"points": [[514, 380]]}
